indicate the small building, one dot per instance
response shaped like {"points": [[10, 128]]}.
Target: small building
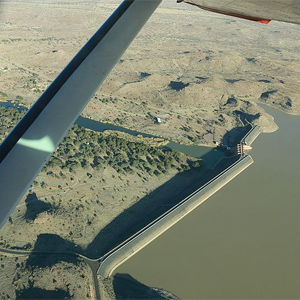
{"points": [[157, 120]]}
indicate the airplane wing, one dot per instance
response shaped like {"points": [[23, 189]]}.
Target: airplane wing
{"points": [[256, 10], [31, 143]]}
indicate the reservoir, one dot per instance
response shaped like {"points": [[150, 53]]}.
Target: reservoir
{"points": [[210, 155], [243, 243]]}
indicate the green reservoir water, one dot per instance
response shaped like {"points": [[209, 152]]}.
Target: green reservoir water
{"points": [[210, 155], [243, 242]]}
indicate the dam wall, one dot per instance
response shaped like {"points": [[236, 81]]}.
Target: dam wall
{"points": [[250, 137], [150, 232]]}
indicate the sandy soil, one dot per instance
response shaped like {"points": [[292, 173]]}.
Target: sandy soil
{"points": [[202, 74], [84, 205], [183, 66], [89, 209], [60, 280]]}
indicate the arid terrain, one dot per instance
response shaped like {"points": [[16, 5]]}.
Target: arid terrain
{"points": [[195, 70], [96, 191], [64, 279], [203, 74]]}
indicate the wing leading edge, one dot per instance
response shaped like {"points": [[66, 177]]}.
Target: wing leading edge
{"points": [[31, 143]]}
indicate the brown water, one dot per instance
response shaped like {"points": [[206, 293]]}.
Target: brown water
{"points": [[242, 243]]}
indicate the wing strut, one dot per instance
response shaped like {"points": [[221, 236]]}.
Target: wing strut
{"points": [[31, 143]]}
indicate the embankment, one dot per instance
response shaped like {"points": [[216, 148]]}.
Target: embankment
{"points": [[138, 241], [251, 135]]}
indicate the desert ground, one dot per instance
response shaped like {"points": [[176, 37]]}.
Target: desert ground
{"points": [[64, 279], [96, 191], [203, 74], [195, 70]]}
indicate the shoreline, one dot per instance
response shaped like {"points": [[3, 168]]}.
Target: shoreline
{"points": [[146, 135], [167, 140], [135, 243], [118, 255]]}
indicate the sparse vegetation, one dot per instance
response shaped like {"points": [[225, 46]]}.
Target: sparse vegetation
{"points": [[87, 149], [93, 177], [89, 167]]}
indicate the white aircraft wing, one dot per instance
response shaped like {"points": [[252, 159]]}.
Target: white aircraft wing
{"points": [[31, 143], [256, 10]]}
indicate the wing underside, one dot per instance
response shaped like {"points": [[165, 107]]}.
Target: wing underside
{"points": [[255, 10]]}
